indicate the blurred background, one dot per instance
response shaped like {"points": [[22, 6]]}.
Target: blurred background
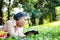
{"points": [[39, 11], [43, 15]]}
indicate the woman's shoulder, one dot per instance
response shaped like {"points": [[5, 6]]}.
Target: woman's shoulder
{"points": [[9, 21]]}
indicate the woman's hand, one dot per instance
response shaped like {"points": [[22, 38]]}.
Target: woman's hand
{"points": [[22, 35]]}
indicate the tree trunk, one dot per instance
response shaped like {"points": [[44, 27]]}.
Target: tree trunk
{"points": [[40, 20], [54, 16], [33, 20], [9, 10], [29, 22], [1, 15]]}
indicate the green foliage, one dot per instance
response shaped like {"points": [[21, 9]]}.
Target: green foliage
{"points": [[44, 9], [29, 7], [50, 31], [41, 8]]}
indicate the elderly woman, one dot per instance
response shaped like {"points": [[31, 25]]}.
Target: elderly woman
{"points": [[15, 26]]}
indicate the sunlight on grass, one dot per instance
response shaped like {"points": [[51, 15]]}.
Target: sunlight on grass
{"points": [[38, 27], [50, 31]]}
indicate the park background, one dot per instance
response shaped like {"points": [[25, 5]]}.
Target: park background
{"points": [[43, 16]]}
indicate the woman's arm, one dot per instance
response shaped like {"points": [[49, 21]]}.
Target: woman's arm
{"points": [[22, 35], [20, 32]]}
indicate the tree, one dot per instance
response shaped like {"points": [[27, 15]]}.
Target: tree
{"points": [[28, 6], [47, 7], [9, 10], [41, 9], [1, 14]]}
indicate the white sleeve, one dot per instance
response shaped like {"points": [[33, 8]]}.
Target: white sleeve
{"points": [[11, 30]]}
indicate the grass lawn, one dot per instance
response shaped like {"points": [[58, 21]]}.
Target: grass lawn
{"points": [[50, 31]]}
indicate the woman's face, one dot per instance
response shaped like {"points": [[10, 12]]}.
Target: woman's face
{"points": [[21, 21]]}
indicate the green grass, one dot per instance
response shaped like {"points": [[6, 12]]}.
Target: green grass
{"points": [[50, 31]]}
